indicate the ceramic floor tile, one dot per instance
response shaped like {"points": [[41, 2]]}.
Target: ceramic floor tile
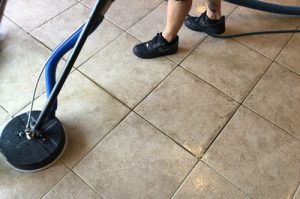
{"points": [[30, 14], [289, 56], [277, 98], [188, 110], [227, 65], [13, 33], [123, 74], [247, 20], [87, 113], [203, 182], [256, 156], [20, 65], [71, 187], [78, 15], [135, 161], [28, 185], [126, 13]]}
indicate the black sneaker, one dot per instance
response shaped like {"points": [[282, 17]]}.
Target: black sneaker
{"points": [[156, 47], [204, 24]]}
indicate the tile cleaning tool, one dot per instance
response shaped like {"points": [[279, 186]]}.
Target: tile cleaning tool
{"points": [[35, 140], [267, 7]]}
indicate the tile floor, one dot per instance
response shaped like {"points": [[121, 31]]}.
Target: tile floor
{"points": [[220, 119]]}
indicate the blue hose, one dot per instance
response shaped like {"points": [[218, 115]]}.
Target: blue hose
{"points": [[267, 7], [55, 57]]}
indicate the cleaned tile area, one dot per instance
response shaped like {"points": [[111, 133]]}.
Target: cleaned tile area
{"points": [[219, 119], [127, 161]]}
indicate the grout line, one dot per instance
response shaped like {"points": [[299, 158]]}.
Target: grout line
{"points": [[157, 128], [287, 69], [103, 138], [91, 187], [4, 109], [185, 179], [224, 178], [60, 179], [284, 131]]}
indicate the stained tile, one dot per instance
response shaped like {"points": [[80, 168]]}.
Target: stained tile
{"points": [[277, 98], [135, 161], [30, 14], [123, 74], [87, 113], [15, 184], [188, 110], [78, 14], [13, 33], [227, 65], [256, 156], [125, 13], [203, 182], [289, 56], [20, 65], [71, 187], [247, 20]]}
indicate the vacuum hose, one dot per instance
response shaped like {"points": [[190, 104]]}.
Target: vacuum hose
{"points": [[267, 7]]}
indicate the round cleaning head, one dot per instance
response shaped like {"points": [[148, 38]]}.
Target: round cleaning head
{"points": [[32, 152]]}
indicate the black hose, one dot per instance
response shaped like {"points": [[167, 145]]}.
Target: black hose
{"points": [[267, 7]]}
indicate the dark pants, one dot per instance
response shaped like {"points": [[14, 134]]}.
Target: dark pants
{"points": [[2, 6]]}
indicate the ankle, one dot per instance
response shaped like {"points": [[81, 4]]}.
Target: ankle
{"points": [[168, 37], [213, 15]]}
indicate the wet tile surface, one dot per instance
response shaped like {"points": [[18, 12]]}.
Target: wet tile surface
{"points": [[256, 156], [78, 15], [87, 112], [191, 103], [28, 185], [127, 77], [227, 65], [30, 14], [71, 186], [135, 161], [20, 63], [277, 98], [203, 182]]}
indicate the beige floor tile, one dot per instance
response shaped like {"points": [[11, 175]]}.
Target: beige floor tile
{"points": [[203, 182], [135, 161], [188, 110], [13, 33], [52, 33], [20, 65], [71, 187], [247, 20], [227, 65], [28, 185], [87, 113], [126, 13], [30, 14], [289, 56], [188, 39], [256, 156], [277, 98], [123, 74]]}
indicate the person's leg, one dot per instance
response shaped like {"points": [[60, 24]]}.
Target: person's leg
{"points": [[166, 43], [211, 21], [177, 11], [213, 9]]}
